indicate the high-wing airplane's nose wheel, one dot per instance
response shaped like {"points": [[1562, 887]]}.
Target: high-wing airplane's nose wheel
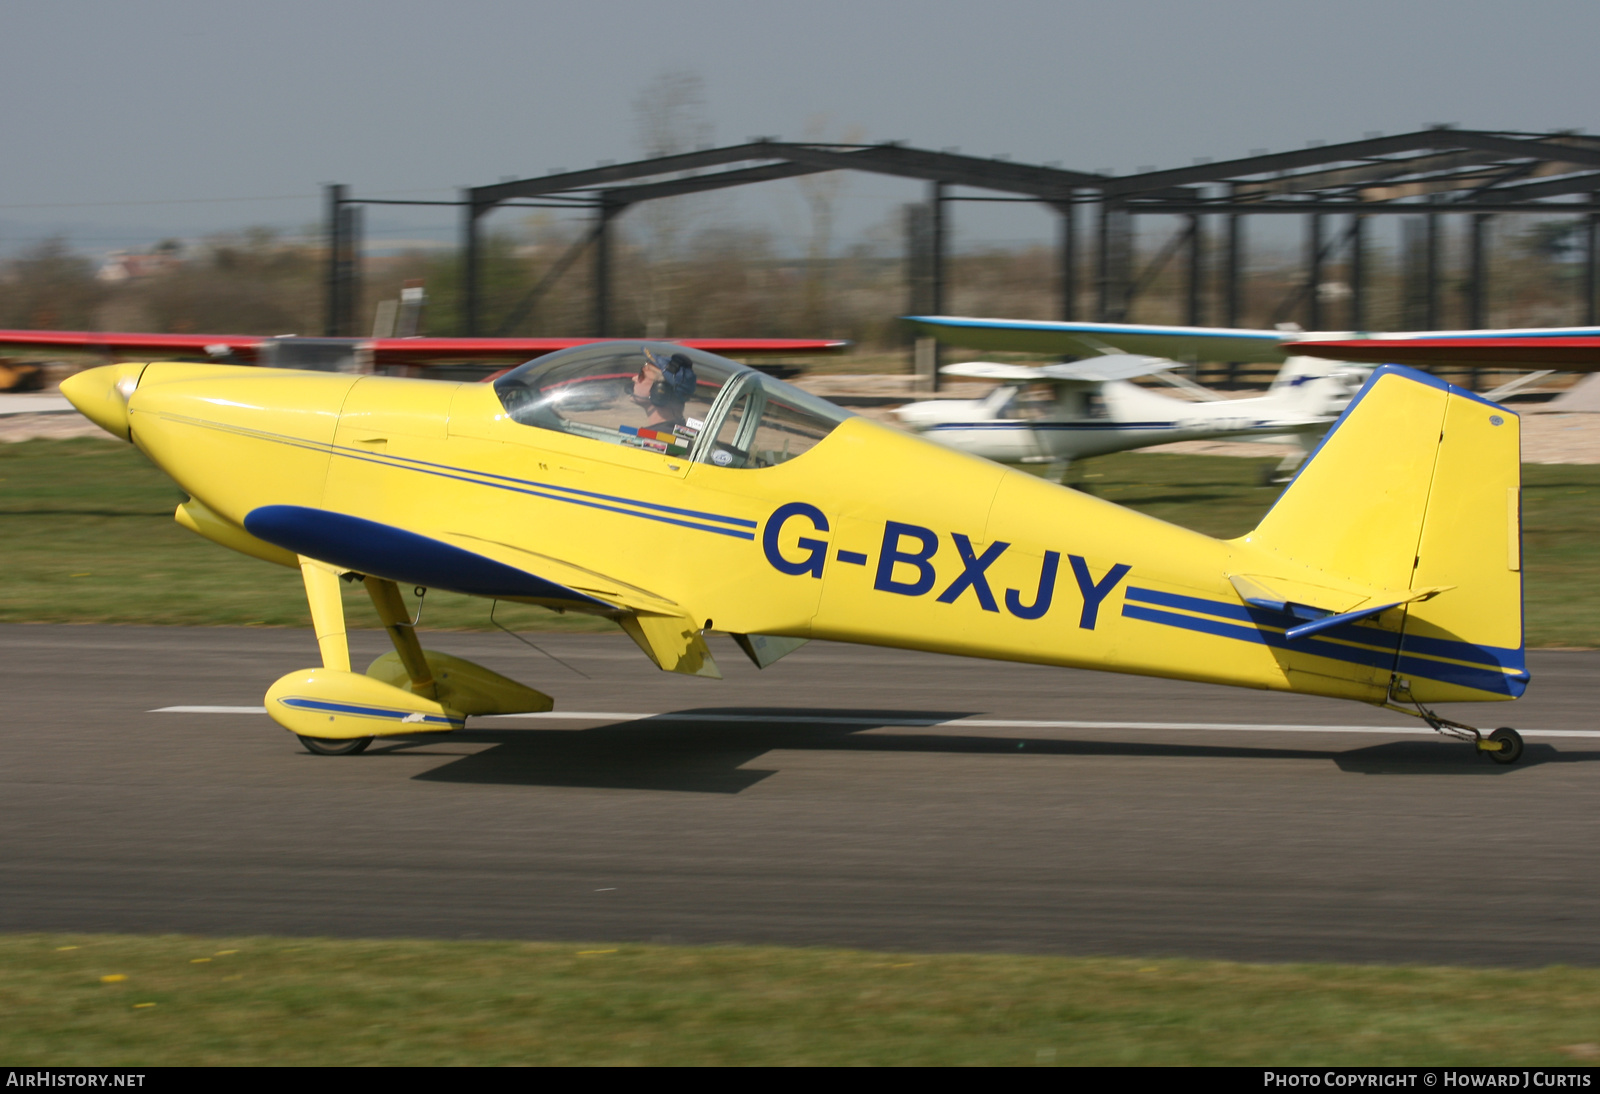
{"points": [[329, 746]]}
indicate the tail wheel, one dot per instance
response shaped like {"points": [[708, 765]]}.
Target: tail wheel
{"points": [[1510, 750], [349, 746]]}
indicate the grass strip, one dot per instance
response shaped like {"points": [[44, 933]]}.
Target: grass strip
{"points": [[87, 535], [113, 1000]]}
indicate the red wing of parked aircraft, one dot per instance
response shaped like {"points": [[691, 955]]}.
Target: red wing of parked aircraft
{"points": [[372, 351], [1566, 353]]}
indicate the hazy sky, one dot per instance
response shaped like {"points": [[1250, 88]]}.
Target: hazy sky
{"points": [[131, 120]]}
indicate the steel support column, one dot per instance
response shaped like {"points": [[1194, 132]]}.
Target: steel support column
{"points": [[1115, 245], [1067, 256], [471, 311], [1478, 275], [1412, 272], [1233, 299], [351, 219], [1197, 275], [1314, 271], [1591, 262], [606, 212], [936, 267], [1431, 275], [1358, 272], [333, 308]]}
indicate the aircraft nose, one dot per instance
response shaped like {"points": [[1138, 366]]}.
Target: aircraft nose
{"points": [[102, 394]]}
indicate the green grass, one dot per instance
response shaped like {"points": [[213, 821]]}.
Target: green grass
{"points": [[285, 1001], [87, 536]]}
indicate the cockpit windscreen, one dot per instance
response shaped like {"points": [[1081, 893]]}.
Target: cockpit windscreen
{"points": [[666, 398]]}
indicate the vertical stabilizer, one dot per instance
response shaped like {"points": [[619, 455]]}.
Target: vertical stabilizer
{"points": [[1417, 487]]}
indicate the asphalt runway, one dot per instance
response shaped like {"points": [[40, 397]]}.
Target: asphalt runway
{"points": [[843, 797]]}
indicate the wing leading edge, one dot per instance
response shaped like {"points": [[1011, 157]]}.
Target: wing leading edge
{"points": [[383, 351], [1571, 351], [1091, 339]]}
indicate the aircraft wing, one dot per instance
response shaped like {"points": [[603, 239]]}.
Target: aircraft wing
{"points": [[988, 370], [1110, 366], [1088, 339], [420, 351], [1571, 350], [1091, 370], [384, 351], [122, 343]]}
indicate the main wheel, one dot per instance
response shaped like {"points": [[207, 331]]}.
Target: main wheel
{"points": [[348, 746], [1510, 745]]}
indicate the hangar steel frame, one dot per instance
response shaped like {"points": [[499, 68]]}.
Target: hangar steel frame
{"points": [[1427, 175]]}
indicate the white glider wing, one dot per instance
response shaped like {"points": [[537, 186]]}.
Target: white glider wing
{"points": [[989, 370]]}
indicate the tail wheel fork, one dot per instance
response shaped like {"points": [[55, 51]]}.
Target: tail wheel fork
{"points": [[1503, 746]]}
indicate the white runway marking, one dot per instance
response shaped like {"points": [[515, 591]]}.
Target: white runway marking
{"points": [[958, 723]]}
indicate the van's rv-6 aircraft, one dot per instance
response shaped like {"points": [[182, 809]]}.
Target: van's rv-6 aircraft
{"points": [[679, 493]]}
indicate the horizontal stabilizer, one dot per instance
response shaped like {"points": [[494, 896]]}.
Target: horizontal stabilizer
{"points": [[1328, 622], [1321, 601], [1317, 626]]}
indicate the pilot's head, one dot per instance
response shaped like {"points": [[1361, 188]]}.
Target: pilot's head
{"points": [[664, 384]]}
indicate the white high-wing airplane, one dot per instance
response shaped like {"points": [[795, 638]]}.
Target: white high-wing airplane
{"points": [[1044, 417]]}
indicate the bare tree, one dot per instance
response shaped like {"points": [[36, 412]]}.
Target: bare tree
{"points": [[671, 117], [821, 193], [49, 285]]}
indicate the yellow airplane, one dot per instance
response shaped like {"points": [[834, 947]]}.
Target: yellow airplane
{"points": [[678, 493]]}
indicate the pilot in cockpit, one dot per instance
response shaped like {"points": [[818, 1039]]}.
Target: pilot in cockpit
{"points": [[663, 385]]}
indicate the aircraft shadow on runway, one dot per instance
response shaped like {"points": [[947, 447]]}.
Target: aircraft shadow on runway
{"points": [[679, 753]]}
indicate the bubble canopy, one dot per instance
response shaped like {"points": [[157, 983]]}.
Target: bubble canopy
{"points": [[663, 397]]}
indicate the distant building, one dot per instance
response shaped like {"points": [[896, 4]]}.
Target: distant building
{"points": [[120, 266]]}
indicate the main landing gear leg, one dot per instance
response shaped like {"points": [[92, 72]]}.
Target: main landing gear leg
{"points": [[397, 621], [327, 617], [1503, 746]]}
